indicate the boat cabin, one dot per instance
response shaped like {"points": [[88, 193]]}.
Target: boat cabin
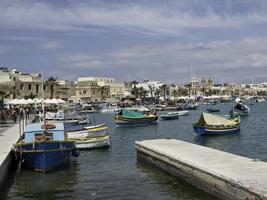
{"points": [[35, 132]]}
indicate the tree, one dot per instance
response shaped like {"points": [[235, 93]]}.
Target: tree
{"points": [[13, 79], [157, 94], [142, 93], [51, 83], [163, 88], [135, 92], [175, 93], [151, 89]]}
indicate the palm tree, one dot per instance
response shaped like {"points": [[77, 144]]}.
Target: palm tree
{"points": [[157, 93], [13, 79], [151, 89], [174, 93], [142, 93], [164, 88], [135, 92], [51, 83], [2, 94]]}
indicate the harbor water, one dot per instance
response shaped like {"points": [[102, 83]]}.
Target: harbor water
{"points": [[114, 173]]}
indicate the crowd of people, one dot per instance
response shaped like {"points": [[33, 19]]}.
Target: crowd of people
{"points": [[12, 114]]}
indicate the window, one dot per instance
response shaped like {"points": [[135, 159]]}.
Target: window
{"points": [[21, 87], [37, 89], [29, 87]]}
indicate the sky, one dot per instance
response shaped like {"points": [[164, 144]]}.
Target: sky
{"points": [[136, 39]]}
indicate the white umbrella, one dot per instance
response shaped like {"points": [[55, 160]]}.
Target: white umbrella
{"points": [[13, 101], [51, 101], [60, 101], [30, 101], [54, 101], [47, 101], [38, 100], [19, 102]]}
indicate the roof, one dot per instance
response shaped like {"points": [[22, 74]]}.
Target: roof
{"points": [[36, 127], [209, 119]]}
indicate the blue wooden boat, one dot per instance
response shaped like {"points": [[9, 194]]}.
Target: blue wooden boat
{"points": [[169, 116], [214, 108], [45, 147], [134, 118], [209, 124]]}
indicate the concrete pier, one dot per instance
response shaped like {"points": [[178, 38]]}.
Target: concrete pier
{"points": [[224, 175], [7, 138]]}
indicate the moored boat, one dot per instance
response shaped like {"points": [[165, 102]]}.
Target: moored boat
{"points": [[45, 147], [133, 118], [92, 131], [241, 109], [209, 124], [169, 116], [180, 113], [92, 142], [214, 108]]}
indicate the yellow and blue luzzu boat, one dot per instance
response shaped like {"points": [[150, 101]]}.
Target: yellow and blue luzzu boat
{"points": [[209, 124], [134, 118], [45, 147]]}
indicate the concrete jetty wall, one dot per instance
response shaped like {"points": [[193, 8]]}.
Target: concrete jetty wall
{"points": [[7, 139], [224, 175]]}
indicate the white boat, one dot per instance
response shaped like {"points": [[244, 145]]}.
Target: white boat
{"points": [[95, 126], [241, 109], [92, 143], [180, 113], [260, 100], [94, 131]]}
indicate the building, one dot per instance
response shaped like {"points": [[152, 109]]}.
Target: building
{"points": [[65, 89], [87, 90], [200, 87], [108, 87], [20, 85]]}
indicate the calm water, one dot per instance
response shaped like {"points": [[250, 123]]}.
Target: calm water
{"points": [[115, 174]]}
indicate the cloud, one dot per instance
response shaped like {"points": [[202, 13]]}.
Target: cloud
{"points": [[51, 45], [224, 60], [148, 19]]}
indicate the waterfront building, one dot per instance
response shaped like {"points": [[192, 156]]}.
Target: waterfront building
{"points": [[86, 90], [109, 88], [20, 85], [200, 87], [65, 89]]}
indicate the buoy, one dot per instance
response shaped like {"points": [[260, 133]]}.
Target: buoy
{"points": [[48, 126]]}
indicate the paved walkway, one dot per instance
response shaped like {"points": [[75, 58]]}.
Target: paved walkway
{"points": [[233, 175], [8, 137]]}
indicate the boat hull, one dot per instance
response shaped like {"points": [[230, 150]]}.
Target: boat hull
{"points": [[180, 113], [215, 131], [169, 117], [45, 156], [123, 121], [93, 143], [135, 123], [96, 132]]}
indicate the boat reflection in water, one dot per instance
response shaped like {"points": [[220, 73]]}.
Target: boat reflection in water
{"points": [[57, 184]]}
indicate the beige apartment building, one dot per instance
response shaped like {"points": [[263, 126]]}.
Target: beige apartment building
{"points": [[20, 85], [87, 90], [108, 88]]}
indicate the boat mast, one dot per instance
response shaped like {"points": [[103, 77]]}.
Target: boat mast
{"points": [[43, 107]]}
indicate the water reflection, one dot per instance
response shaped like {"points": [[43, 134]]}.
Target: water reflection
{"points": [[167, 183], [52, 185]]}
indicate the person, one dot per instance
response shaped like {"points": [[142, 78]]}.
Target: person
{"points": [[27, 113], [14, 114]]}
